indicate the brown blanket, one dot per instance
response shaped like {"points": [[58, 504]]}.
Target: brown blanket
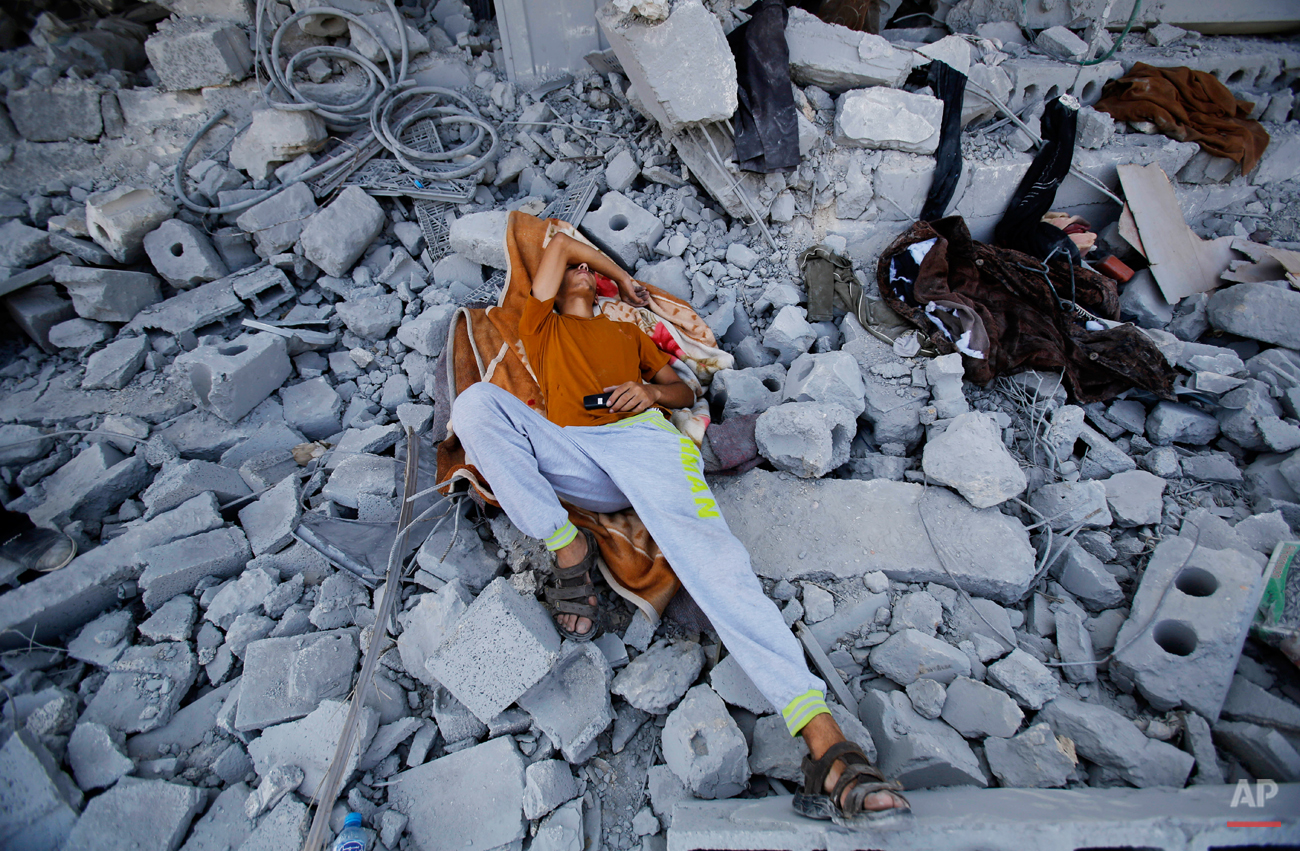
{"points": [[1013, 317], [1190, 106], [484, 345]]}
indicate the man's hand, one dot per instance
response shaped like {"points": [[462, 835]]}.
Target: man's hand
{"points": [[632, 292], [632, 396]]}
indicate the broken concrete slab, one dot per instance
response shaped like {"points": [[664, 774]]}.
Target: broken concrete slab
{"points": [[971, 458], [108, 295], [145, 687], [119, 218], [189, 53], [838, 58], [910, 655], [178, 482], [808, 439], [976, 710], [888, 119], [113, 367], [918, 752], [878, 527], [681, 66], [138, 814], [571, 703], [234, 378], [442, 798], [657, 679], [39, 804], [1026, 679], [1035, 759], [310, 743], [176, 567], [91, 485], [336, 236], [1107, 738], [286, 678]]}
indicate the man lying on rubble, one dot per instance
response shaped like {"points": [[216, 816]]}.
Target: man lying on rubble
{"points": [[626, 452]]}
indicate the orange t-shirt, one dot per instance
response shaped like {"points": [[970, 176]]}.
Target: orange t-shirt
{"points": [[575, 357]]}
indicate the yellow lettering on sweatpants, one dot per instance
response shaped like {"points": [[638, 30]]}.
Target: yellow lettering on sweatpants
{"points": [[697, 485], [708, 508]]}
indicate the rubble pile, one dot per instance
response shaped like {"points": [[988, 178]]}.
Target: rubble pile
{"points": [[1011, 589]]}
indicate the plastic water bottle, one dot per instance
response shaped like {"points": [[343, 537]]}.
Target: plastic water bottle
{"points": [[353, 837]]}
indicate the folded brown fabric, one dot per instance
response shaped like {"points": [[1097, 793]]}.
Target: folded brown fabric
{"points": [[1190, 106]]}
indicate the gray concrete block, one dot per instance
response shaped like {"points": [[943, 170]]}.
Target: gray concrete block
{"points": [[310, 743], [971, 458], [832, 377], [1135, 498], [97, 756], [174, 620], [371, 317], [277, 222], [918, 752], [360, 474], [23, 246], [1174, 422], [67, 110], [927, 697], [443, 799], [481, 237], [189, 311], [910, 655], [1185, 640], [976, 710], [188, 53], [119, 218], [1109, 739], [1198, 739], [286, 678], [704, 747], [658, 678], [1083, 575], [176, 568], [881, 118], [38, 309], [108, 295], [620, 228], [284, 827], [733, 686], [1266, 753], [113, 367], [565, 829], [232, 379], [427, 333], [79, 333], [144, 689], [276, 136], [91, 485], [789, 335], [313, 407], [621, 171], [264, 288], [837, 58], [270, 520], [1248, 702], [338, 234], [681, 67], [183, 255], [223, 826], [181, 481], [1070, 504], [338, 600], [455, 722], [547, 784], [808, 439], [427, 624], [138, 814], [38, 802], [878, 529], [1259, 311], [1074, 642], [1033, 759], [1026, 679], [737, 392], [571, 703], [501, 647]]}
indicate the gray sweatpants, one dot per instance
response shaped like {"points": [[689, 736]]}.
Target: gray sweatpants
{"points": [[646, 463]]}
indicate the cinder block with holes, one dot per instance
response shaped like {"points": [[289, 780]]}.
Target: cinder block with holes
{"points": [[183, 255], [264, 288], [623, 230], [119, 218], [233, 378], [1183, 637], [1043, 79]]}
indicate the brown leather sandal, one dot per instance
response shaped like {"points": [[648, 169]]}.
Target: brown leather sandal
{"points": [[569, 591], [814, 802]]}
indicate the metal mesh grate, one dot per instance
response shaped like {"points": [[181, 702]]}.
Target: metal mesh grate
{"points": [[490, 291], [576, 201], [437, 233], [388, 177]]}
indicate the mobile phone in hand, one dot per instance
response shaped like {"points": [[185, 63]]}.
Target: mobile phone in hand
{"points": [[596, 401]]}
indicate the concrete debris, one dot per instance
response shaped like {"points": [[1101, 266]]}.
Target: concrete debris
{"points": [[200, 385]]}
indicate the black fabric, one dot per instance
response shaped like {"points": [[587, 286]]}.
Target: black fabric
{"points": [[13, 523], [1022, 226], [949, 85], [767, 129]]}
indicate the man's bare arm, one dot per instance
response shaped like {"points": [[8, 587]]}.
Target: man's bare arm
{"points": [[564, 251], [666, 389]]}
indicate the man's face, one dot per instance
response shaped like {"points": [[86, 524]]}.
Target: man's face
{"points": [[578, 278]]}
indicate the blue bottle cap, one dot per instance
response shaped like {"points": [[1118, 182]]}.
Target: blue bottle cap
{"points": [[352, 820]]}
